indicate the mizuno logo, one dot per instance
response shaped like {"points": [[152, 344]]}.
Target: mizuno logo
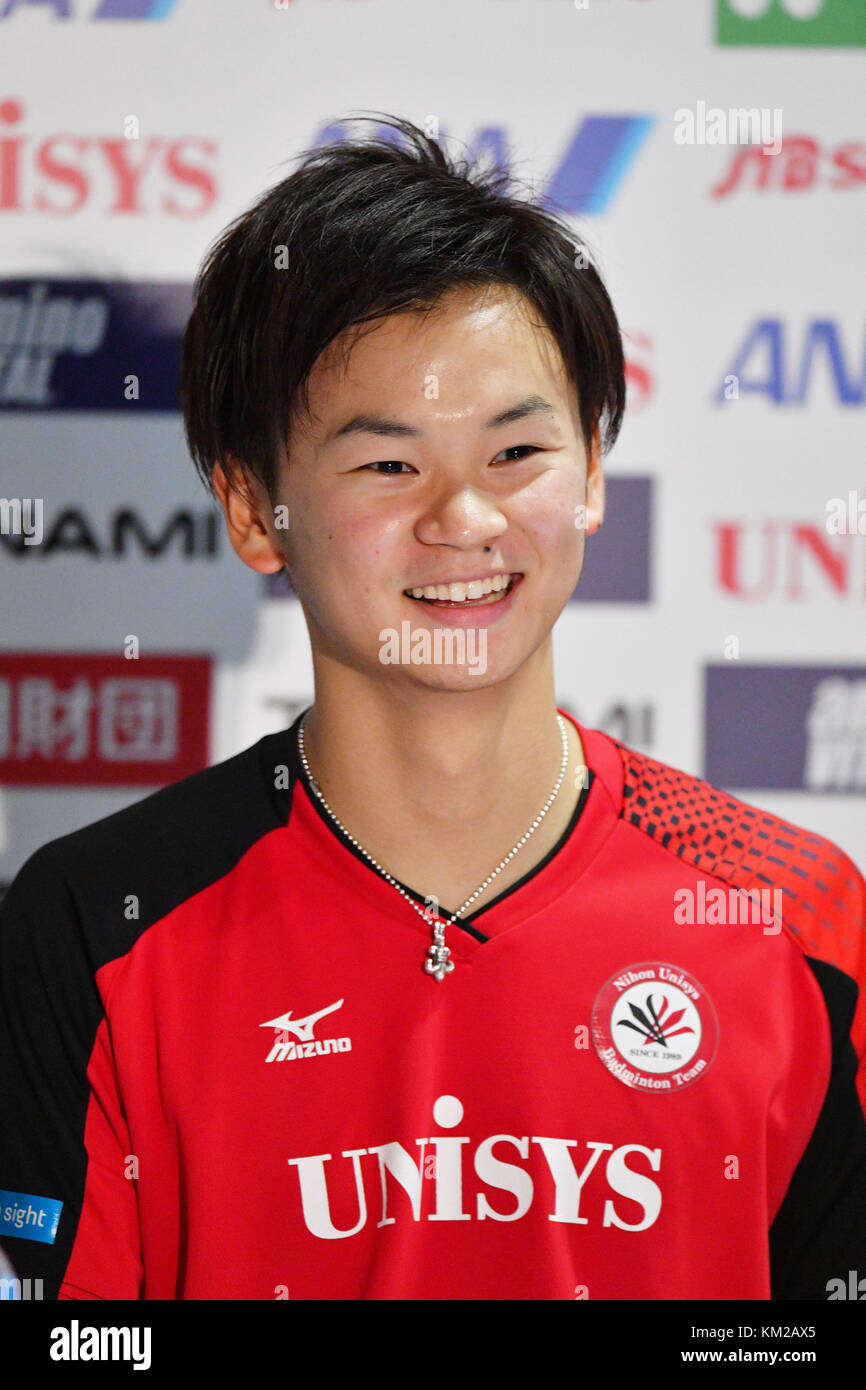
{"points": [[301, 1027], [287, 1050]]}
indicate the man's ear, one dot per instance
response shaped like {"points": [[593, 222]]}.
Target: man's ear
{"points": [[249, 520], [594, 486]]}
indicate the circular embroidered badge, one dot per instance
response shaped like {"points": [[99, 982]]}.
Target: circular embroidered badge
{"points": [[654, 1027]]}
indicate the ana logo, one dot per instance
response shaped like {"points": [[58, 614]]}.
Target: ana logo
{"points": [[102, 9], [788, 366], [286, 1049], [600, 150], [654, 1027]]}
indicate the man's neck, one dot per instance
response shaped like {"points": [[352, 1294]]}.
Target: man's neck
{"points": [[439, 788]]}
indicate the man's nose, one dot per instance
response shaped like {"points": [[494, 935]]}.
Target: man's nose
{"points": [[461, 514]]}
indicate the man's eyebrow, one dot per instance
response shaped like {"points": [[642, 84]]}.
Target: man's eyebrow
{"points": [[382, 425]]}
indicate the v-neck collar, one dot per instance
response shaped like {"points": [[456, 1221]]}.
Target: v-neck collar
{"points": [[594, 818]]}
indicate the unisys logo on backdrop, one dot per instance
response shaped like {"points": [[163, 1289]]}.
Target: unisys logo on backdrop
{"points": [[121, 172], [786, 728], [760, 561]]}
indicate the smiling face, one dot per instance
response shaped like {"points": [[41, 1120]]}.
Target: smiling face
{"points": [[448, 449]]}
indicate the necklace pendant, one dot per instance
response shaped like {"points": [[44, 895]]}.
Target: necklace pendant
{"points": [[439, 965]]}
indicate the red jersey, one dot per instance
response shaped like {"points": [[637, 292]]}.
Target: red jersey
{"points": [[228, 1076]]}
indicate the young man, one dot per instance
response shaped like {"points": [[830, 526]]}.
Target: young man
{"points": [[409, 1006]]}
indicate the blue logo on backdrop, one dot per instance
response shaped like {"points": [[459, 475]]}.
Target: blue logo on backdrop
{"points": [[33, 1218], [91, 344], [783, 366], [594, 165], [805, 730], [596, 162], [104, 9]]}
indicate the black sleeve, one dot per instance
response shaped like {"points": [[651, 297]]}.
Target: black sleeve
{"points": [[819, 1232], [49, 1012]]}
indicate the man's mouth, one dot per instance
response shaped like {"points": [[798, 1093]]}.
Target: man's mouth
{"points": [[473, 593]]}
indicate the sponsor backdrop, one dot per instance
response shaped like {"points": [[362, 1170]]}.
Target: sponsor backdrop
{"points": [[713, 152]]}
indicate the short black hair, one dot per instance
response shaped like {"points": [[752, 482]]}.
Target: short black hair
{"points": [[363, 229]]}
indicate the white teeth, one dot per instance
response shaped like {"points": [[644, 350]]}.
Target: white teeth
{"points": [[460, 592]]}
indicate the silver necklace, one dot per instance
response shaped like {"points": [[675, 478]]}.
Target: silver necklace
{"points": [[438, 962]]}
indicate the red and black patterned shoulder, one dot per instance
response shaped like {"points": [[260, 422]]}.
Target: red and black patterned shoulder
{"points": [[822, 890]]}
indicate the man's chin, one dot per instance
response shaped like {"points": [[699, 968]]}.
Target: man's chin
{"points": [[467, 675], [479, 671]]}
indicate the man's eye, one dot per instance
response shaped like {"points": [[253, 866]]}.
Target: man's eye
{"points": [[517, 448], [392, 465]]}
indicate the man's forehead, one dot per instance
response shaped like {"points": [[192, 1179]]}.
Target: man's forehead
{"points": [[456, 323], [413, 422], [433, 381], [465, 414]]}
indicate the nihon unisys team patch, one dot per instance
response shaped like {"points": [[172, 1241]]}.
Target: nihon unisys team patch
{"points": [[654, 1027]]}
